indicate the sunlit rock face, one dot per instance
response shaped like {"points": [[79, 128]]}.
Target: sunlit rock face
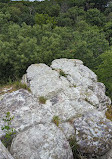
{"points": [[74, 96]]}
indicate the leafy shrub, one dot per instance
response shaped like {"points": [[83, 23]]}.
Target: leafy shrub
{"points": [[9, 132], [56, 120], [42, 100]]}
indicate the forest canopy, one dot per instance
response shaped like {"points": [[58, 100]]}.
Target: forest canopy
{"points": [[39, 32]]}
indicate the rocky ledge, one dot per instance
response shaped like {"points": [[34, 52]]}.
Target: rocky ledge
{"points": [[74, 105]]}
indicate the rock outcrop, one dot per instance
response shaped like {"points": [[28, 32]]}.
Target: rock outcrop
{"points": [[74, 96]]}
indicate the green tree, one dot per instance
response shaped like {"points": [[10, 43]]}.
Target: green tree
{"points": [[41, 19], [108, 31], [87, 4], [104, 70], [88, 44], [71, 17], [95, 17], [4, 19], [15, 14], [43, 8]]}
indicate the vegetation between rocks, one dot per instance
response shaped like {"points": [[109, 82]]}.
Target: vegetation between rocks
{"points": [[9, 131], [62, 73], [56, 120], [75, 148], [42, 100], [19, 85], [13, 86]]}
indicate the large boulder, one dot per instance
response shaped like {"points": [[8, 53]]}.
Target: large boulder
{"points": [[42, 141], [73, 97]]}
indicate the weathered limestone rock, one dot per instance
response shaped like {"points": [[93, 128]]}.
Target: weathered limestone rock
{"points": [[25, 109], [44, 81], [4, 154], [41, 142], [93, 133], [99, 90], [74, 96], [78, 74]]}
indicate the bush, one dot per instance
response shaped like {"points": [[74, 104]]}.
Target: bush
{"points": [[9, 132]]}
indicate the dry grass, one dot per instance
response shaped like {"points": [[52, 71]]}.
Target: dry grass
{"points": [[13, 87], [19, 85]]}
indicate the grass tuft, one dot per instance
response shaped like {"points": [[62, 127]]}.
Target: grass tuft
{"points": [[13, 86], [56, 120], [74, 146], [42, 100], [19, 85]]}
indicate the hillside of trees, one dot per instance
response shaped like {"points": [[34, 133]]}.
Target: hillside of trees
{"points": [[39, 32]]}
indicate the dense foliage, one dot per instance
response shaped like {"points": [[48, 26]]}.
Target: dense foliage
{"points": [[34, 32]]}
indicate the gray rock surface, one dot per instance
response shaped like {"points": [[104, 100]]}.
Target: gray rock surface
{"points": [[76, 98], [43, 141], [94, 133]]}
